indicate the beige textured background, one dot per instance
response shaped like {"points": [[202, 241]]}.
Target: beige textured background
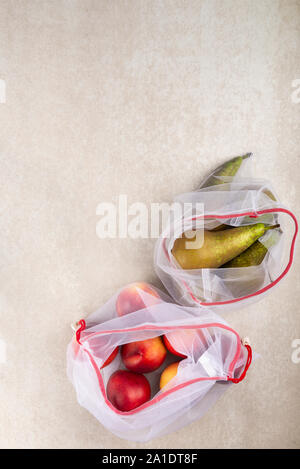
{"points": [[137, 97]]}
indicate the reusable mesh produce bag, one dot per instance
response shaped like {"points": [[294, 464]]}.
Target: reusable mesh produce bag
{"points": [[215, 357], [231, 201]]}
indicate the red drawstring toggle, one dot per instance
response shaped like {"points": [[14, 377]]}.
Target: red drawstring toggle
{"points": [[248, 363], [80, 323]]}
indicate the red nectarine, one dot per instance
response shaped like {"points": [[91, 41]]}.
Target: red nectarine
{"points": [[96, 351], [144, 356], [130, 299], [186, 340], [110, 358], [171, 349], [127, 390]]}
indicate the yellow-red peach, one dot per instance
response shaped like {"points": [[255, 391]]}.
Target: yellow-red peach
{"points": [[168, 374]]}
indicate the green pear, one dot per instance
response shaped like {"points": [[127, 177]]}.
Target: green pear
{"points": [[255, 254], [216, 248], [228, 169]]}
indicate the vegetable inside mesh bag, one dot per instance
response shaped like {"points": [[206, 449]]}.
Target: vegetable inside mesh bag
{"points": [[233, 201], [214, 358]]}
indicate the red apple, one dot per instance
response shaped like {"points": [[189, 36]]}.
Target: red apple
{"points": [[130, 299], [144, 356], [127, 390]]}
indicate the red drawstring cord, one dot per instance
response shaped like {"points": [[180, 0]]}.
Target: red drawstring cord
{"points": [[80, 323], [248, 363]]}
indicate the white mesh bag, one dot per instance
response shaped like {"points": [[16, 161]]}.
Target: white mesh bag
{"points": [[231, 201], [213, 351]]}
